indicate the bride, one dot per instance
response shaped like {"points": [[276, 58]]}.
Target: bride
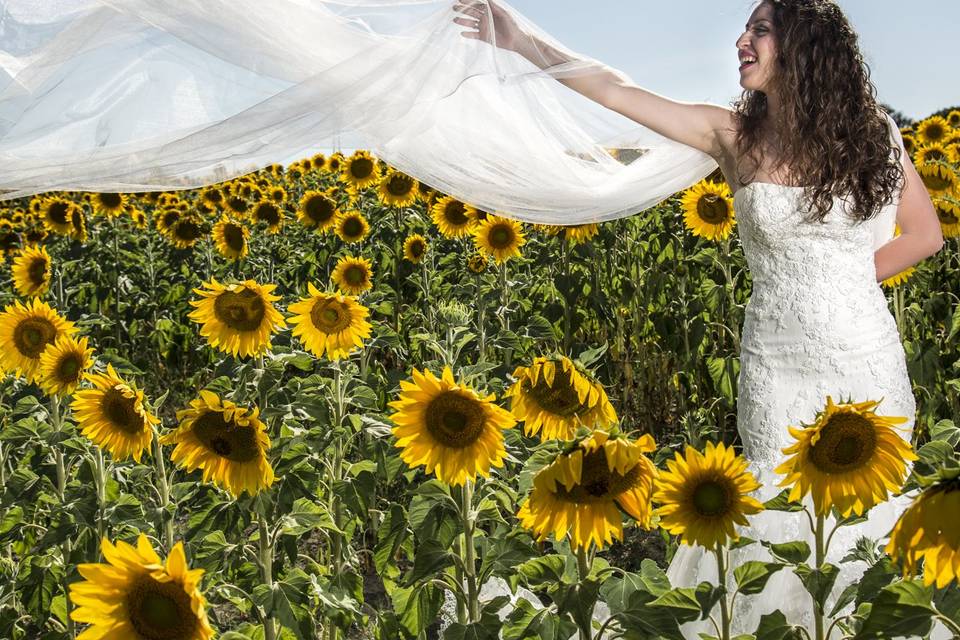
{"points": [[819, 173]]}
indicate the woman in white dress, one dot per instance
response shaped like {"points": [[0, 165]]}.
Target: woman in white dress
{"points": [[817, 322]]}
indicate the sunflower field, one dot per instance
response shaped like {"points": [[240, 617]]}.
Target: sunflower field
{"points": [[325, 400]]}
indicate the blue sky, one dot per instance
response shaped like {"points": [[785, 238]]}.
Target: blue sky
{"points": [[684, 49]]}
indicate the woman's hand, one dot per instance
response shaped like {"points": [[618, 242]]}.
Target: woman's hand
{"points": [[505, 34]]}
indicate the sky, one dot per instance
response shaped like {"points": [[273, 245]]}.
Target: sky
{"points": [[685, 49]]}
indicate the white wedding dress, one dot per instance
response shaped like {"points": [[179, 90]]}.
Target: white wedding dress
{"points": [[817, 323]]}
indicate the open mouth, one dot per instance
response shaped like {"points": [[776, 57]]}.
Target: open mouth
{"points": [[747, 63]]}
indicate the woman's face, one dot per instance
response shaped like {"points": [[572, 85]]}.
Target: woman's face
{"points": [[757, 43]]}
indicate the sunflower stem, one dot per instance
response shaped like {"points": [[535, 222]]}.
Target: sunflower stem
{"points": [[397, 253], [66, 547], [166, 515], [116, 276], [820, 553], [565, 265], [583, 572], [722, 579], [507, 352], [101, 479], [266, 570], [469, 552]]}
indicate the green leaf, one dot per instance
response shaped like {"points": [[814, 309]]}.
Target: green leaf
{"points": [[416, 606], [391, 535], [708, 595], [682, 603], [902, 608], [752, 576], [818, 582], [789, 552], [543, 571], [431, 558], [577, 600], [488, 628], [773, 626], [780, 502], [874, 579], [723, 372]]}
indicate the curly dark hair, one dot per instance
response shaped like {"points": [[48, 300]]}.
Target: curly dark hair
{"points": [[835, 138]]}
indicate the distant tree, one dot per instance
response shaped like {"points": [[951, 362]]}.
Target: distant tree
{"points": [[898, 117]]}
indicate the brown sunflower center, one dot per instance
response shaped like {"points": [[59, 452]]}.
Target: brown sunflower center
{"points": [[238, 204], [846, 443], [455, 419], [268, 212], [234, 442], [242, 310], [361, 167], [111, 200], [330, 316], [37, 271], [160, 610], [597, 482], [355, 274], [57, 212], [233, 237], [946, 217], [712, 208], [121, 411], [399, 185], [560, 399], [32, 335], [935, 154], [319, 209], [352, 227], [712, 497], [501, 237], [455, 213], [417, 248], [69, 368], [934, 132], [187, 229]]}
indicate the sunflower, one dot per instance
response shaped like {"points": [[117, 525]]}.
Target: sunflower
{"points": [[329, 322], [353, 275], [360, 170], [933, 129], [114, 416], [231, 238], [939, 178], [580, 491], [139, 217], [268, 213], [57, 214], [929, 530], [63, 364], [213, 196], [277, 194], [708, 210], [478, 262], [455, 219], [31, 271], [237, 318], [134, 595], [553, 399], [414, 248], [397, 189], [953, 118], [426, 194], [898, 278], [186, 231], [352, 226], [848, 458], [25, 331], [580, 233], [318, 210], [334, 162], [704, 494], [237, 205], [499, 237], [935, 152], [109, 204], [166, 218], [447, 427], [229, 443], [949, 214]]}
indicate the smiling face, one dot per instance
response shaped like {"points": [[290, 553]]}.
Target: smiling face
{"points": [[757, 43]]}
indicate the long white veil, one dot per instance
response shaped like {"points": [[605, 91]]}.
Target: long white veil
{"points": [[144, 95]]}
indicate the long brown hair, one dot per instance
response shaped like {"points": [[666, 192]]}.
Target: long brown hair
{"points": [[835, 138]]}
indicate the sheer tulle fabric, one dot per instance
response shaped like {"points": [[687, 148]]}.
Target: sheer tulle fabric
{"points": [[139, 95]]}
